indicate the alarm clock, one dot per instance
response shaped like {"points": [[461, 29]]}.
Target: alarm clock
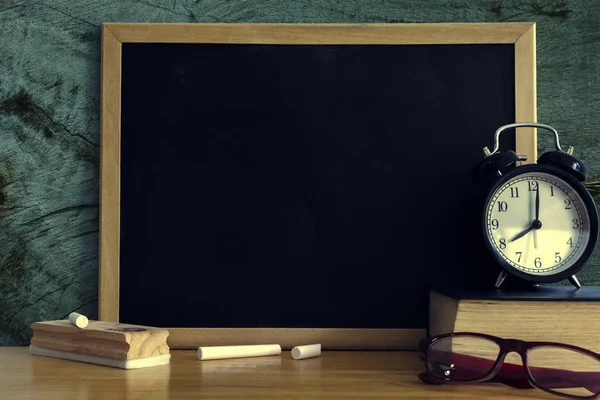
{"points": [[538, 220]]}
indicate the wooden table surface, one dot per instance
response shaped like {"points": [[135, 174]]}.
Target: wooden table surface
{"points": [[334, 375]]}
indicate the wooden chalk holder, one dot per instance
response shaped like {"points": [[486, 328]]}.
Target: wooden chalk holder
{"points": [[109, 343]]}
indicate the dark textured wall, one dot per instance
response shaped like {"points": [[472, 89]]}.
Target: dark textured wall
{"points": [[49, 119]]}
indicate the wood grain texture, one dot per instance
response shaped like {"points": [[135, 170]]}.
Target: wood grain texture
{"points": [[100, 338], [446, 33], [50, 119], [333, 375], [110, 178], [525, 95], [330, 339], [49, 150]]}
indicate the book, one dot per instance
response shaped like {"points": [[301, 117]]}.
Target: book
{"points": [[561, 314]]}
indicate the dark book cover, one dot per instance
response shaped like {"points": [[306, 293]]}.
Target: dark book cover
{"points": [[539, 293]]}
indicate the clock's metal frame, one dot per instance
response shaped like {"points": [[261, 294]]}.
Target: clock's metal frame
{"points": [[523, 125]]}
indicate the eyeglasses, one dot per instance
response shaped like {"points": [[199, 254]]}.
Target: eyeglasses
{"points": [[466, 357]]}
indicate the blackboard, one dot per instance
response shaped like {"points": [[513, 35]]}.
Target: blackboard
{"points": [[302, 185]]}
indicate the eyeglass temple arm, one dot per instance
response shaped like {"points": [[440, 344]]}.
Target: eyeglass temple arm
{"points": [[548, 377]]}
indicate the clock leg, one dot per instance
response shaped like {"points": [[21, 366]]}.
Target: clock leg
{"points": [[573, 279], [501, 279]]}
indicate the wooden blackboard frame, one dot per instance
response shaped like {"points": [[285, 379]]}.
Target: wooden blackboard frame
{"points": [[521, 35]]}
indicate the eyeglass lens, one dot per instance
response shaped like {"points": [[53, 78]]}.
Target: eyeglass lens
{"points": [[462, 358], [564, 370]]}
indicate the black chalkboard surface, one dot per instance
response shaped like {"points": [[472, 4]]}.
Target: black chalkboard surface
{"points": [[300, 186], [267, 185]]}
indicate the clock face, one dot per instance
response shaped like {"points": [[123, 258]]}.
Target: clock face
{"points": [[537, 223]]}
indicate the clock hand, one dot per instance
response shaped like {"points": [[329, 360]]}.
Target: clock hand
{"points": [[537, 202], [520, 235], [536, 224]]}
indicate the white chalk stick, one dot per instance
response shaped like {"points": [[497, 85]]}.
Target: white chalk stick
{"points": [[306, 351], [78, 320], [255, 350]]}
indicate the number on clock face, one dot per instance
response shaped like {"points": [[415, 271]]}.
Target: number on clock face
{"points": [[545, 245]]}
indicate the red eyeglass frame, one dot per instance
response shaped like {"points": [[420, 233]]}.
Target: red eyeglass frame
{"points": [[518, 376]]}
